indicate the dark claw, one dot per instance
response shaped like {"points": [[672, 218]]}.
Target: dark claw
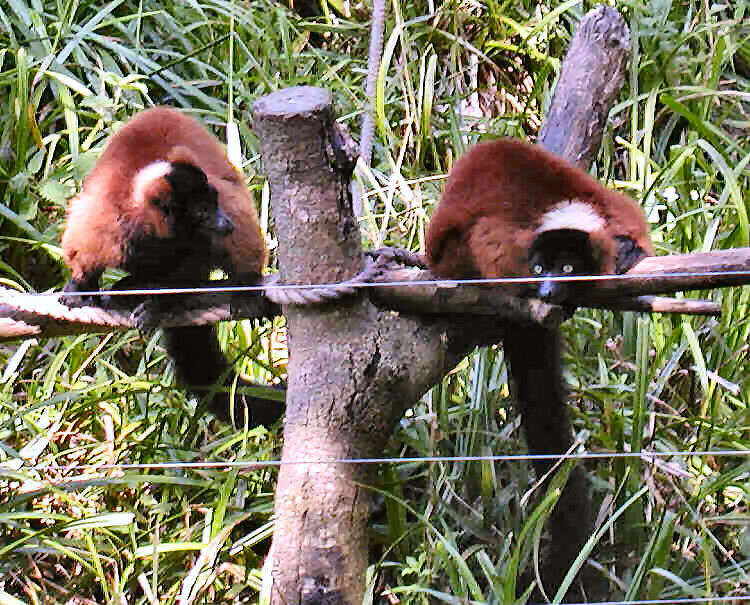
{"points": [[628, 255], [146, 315], [73, 300]]}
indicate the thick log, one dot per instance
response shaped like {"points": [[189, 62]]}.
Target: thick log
{"points": [[352, 370], [591, 78]]}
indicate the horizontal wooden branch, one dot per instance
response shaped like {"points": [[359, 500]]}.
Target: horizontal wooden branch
{"points": [[45, 315], [630, 292], [452, 297], [679, 273], [416, 291], [659, 304], [29, 315]]}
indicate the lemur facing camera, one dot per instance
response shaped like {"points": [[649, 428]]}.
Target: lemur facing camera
{"points": [[511, 209], [164, 203]]}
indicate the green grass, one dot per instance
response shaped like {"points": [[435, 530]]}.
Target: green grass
{"points": [[678, 140]]}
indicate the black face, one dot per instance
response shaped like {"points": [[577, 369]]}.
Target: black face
{"points": [[560, 252], [193, 206]]}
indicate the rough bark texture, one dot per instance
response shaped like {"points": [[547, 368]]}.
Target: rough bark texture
{"points": [[352, 369], [447, 297], [591, 77]]}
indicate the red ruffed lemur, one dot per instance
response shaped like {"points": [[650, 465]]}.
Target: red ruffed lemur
{"points": [[164, 203], [514, 209]]}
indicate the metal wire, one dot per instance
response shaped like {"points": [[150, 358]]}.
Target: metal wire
{"points": [[737, 599], [428, 282], [394, 460]]}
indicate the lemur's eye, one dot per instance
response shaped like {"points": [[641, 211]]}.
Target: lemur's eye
{"points": [[567, 268], [537, 269]]}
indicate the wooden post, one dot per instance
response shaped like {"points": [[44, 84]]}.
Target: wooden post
{"points": [[352, 369]]}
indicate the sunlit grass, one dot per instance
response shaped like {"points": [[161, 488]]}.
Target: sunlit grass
{"points": [[677, 140]]}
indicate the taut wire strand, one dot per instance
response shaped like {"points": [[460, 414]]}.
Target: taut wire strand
{"points": [[395, 460], [735, 599], [428, 282]]}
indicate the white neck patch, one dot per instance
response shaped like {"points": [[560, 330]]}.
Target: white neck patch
{"points": [[147, 175], [571, 215]]}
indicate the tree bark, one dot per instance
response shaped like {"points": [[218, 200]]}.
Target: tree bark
{"points": [[346, 392], [352, 369], [591, 77]]}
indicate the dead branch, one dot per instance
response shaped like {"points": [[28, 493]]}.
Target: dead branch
{"points": [[46, 315], [681, 272], [409, 295], [591, 77], [661, 304], [29, 315]]}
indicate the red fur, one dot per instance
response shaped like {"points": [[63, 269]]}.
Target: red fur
{"points": [[105, 214], [495, 199], [133, 212]]}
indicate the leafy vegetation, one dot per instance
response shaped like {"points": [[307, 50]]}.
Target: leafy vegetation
{"points": [[679, 141]]}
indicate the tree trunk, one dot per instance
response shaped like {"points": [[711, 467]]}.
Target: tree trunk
{"points": [[353, 369]]}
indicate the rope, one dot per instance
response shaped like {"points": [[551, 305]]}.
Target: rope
{"points": [[314, 294], [51, 307], [22, 307], [373, 65], [367, 133]]}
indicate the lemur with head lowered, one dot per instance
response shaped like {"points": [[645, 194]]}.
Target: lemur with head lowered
{"points": [[514, 209], [164, 203]]}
